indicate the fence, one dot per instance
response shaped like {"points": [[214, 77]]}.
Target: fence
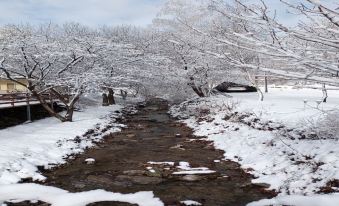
{"points": [[10, 100]]}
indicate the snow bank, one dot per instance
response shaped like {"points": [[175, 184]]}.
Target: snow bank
{"points": [[48, 142], [287, 105], [59, 197], [298, 200], [275, 160], [288, 165]]}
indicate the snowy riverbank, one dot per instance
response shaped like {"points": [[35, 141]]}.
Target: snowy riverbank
{"points": [[267, 139], [49, 142], [60, 197]]}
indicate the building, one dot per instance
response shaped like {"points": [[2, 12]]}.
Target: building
{"points": [[8, 86]]}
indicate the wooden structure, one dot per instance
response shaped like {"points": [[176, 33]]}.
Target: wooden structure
{"points": [[8, 86], [23, 99]]}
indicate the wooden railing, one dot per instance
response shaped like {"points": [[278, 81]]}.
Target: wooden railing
{"points": [[11, 99]]}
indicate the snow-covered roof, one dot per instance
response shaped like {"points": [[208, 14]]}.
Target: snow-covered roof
{"points": [[3, 76]]}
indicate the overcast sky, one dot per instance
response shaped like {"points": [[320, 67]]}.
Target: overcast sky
{"points": [[97, 12], [89, 12]]}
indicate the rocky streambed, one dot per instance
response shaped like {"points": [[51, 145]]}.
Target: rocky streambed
{"points": [[156, 153]]}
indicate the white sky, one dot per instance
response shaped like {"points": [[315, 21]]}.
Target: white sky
{"points": [[89, 12], [100, 12]]}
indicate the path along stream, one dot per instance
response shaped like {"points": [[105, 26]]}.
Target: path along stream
{"points": [[122, 165]]}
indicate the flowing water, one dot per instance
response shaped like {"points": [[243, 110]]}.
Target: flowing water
{"points": [[122, 165]]}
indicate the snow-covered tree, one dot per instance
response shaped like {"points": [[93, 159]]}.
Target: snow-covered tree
{"points": [[51, 59], [191, 54]]}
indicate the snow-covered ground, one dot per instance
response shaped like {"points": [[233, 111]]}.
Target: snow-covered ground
{"points": [[300, 200], [288, 105], [59, 197], [253, 133], [49, 142]]}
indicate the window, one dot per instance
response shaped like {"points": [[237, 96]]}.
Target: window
{"points": [[10, 87]]}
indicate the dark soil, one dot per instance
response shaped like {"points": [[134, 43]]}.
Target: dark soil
{"points": [[121, 162]]}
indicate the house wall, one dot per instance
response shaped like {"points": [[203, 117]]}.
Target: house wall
{"points": [[5, 84]]}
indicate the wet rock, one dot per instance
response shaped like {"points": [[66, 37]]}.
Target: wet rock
{"points": [[122, 183], [130, 140], [99, 179], [154, 173], [142, 180], [178, 135], [261, 185], [140, 127], [79, 185], [251, 185], [153, 120], [167, 136], [134, 172], [191, 178], [178, 146], [130, 135], [224, 177]]}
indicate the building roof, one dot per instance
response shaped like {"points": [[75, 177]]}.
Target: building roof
{"points": [[3, 76]]}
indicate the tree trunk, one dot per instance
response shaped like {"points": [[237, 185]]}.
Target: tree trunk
{"points": [[111, 100], [266, 84], [69, 107], [123, 94], [46, 106], [198, 91], [324, 93], [255, 84], [261, 95], [104, 100], [69, 115]]}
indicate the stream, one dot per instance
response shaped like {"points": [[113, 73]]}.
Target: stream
{"points": [[145, 157]]}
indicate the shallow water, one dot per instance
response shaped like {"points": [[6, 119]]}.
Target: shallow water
{"points": [[121, 162]]}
